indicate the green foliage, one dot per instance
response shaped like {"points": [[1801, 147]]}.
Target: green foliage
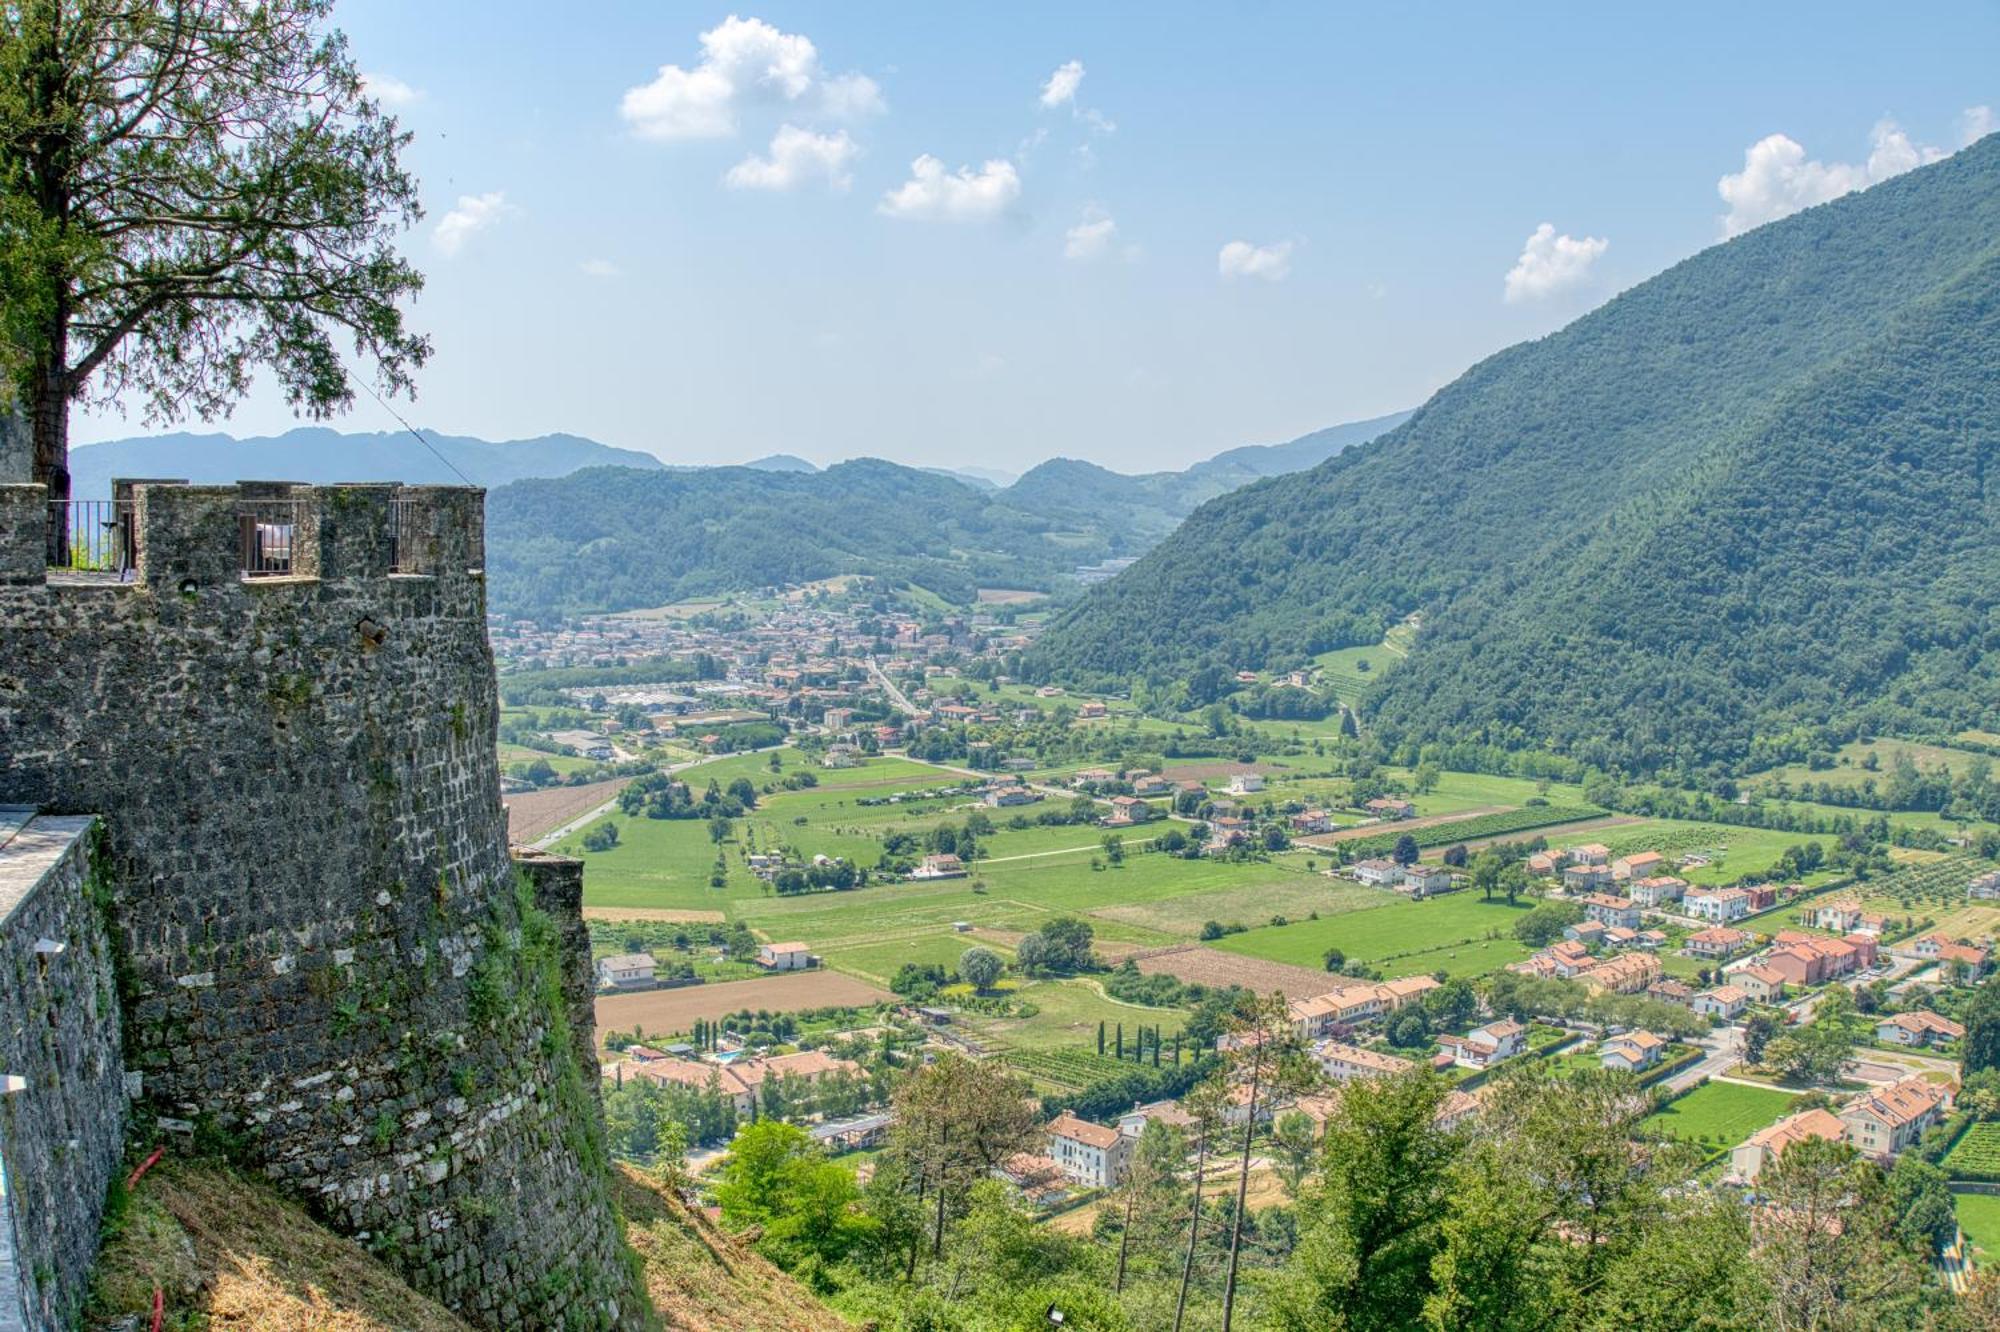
{"points": [[1981, 1049], [227, 199], [979, 967], [1479, 826], [1630, 527]]}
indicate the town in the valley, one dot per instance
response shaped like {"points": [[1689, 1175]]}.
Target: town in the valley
{"points": [[830, 836]]}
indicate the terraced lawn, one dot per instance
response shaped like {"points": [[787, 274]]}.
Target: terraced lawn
{"points": [[1721, 1114], [1979, 1218]]}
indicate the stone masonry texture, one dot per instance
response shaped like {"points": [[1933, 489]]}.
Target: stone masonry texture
{"points": [[328, 962], [62, 1129]]}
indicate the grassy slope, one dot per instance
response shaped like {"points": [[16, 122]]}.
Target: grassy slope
{"points": [[702, 1280], [228, 1252]]}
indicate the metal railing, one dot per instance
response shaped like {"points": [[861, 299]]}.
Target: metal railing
{"points": [[405, 541], [269, 529], [90, 536]]}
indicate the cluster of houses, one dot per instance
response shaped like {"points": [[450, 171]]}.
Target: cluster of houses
{"points": [[1415, 881], [1878, 1123], [740, 1079]]}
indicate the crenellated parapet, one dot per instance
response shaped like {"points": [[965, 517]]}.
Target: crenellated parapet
{"points": [[166, 533]]}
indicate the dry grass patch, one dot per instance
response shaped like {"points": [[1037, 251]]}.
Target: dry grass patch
{"points": [[1210, 966], [533, 814], [227, 1252], [656, 915], [664, 1011], [703, 1280]]}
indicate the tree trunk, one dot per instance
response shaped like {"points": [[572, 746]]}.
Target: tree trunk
{"points": [[1242, 1191], [1124, 1240], [48, 418], [1194, 1229]]}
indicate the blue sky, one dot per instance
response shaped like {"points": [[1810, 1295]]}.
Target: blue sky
{"points": [[1313, 211]]}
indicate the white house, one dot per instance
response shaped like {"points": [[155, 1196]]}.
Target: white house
{"points": [[625, 971], [945, 866], [1720, 905], [1724, 1001], [1922, 1027], [1633, 1052], [1091, 1154], [1425, 880], [784, 956], [1882, 1122], [1485, 1046], [1343, 1062], [1380, 873], [1246, 783]]}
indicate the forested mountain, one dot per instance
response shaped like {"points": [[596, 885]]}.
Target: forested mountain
{"points": [[602, 540], [1746, 497], [1255, 460], [1152, 504], [610, 539], [317, 454]]}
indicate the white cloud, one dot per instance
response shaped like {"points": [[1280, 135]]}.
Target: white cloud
{"points": [[851, 96], [472, 213], [1552, 264], [1778, 179], [933, 194], [1238, 259], [797, 156], [1975, 123], [599, 268], [389, 90], [743, 62], [1062, 84], [1091, 238]]}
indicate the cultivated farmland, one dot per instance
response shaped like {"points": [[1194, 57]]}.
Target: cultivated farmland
{"points": [[664, 1011]]}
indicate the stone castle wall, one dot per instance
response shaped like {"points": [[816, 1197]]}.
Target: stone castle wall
{"points": [[329, 962], [62, 1120]]}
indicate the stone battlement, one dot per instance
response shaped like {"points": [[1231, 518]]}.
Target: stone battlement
{"points": [[167, 533]]}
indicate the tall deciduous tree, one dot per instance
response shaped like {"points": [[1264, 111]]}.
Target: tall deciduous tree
{"points": [[191, 191], [955, 1121], [1370, 1228]]}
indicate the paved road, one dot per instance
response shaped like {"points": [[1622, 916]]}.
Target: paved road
{"points": [[1725, 1051], [897, 699]]}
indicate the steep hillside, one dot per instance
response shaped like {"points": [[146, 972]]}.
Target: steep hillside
{"points": [[702, 1280], [316, 454], [1147, 506], [227, 1252], [1745, 497]]}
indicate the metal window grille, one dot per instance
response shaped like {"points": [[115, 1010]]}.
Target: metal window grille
{"points": [[268, 530]]}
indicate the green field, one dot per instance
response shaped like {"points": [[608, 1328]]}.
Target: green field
{"points": [[1979, 1218], [1400, 936], [1721, 1114]]}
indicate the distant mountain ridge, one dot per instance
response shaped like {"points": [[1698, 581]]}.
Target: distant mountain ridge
{"points": [[317, 454], [561, 504], [1745, 507]]}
